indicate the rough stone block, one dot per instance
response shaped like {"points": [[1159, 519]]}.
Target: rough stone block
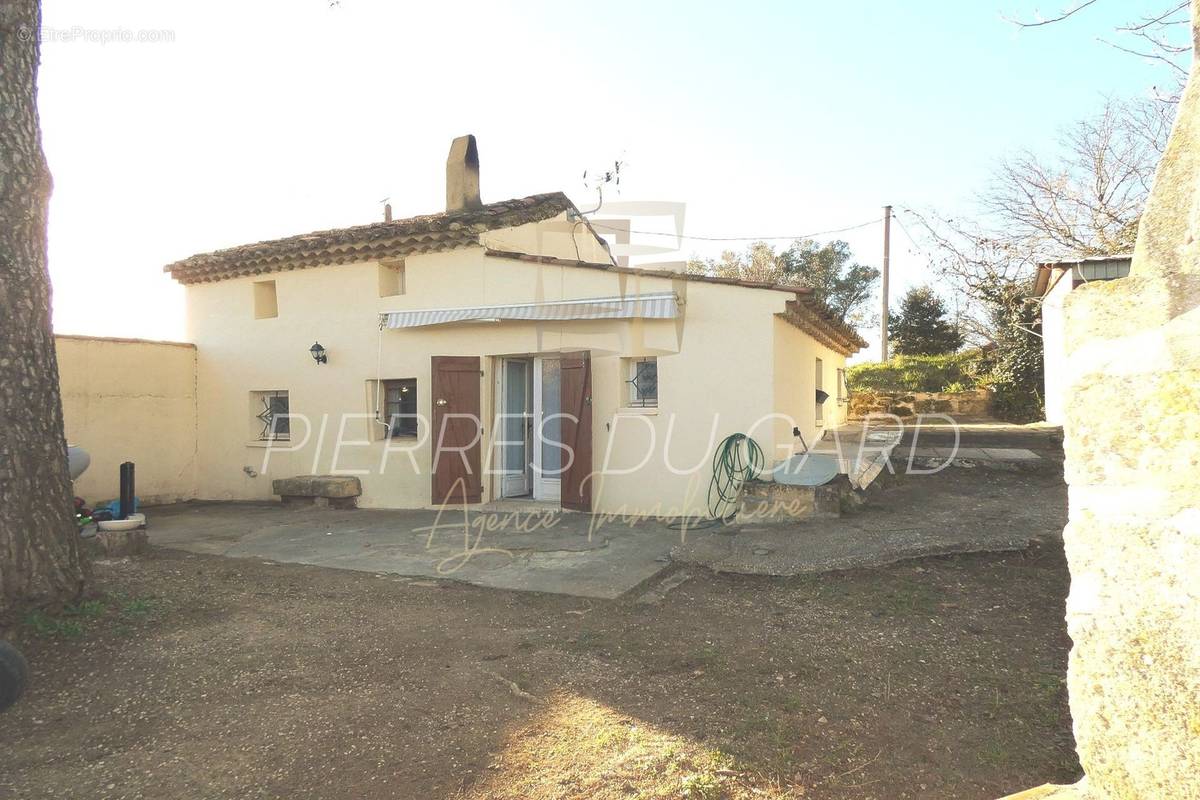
{"points": [[1130, 307], [326, 486], [1132, 443]]}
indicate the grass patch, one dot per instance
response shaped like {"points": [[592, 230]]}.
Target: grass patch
{"points": [[43, 624], [76, 619], [140, 606], [701, 786], [952, 372]]}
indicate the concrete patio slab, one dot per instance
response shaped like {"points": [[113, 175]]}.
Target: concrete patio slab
{"points": [[531, 551], [1010, 454], [953, 511]]}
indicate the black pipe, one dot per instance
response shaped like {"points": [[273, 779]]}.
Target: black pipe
{"points": [[126, 490]]}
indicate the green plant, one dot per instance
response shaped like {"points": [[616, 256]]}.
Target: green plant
{"points": [[87, 608], [139, 606], [700, 786], [1015, 368], [917, 373], [43, 624], [75, 620], [919, 327]]}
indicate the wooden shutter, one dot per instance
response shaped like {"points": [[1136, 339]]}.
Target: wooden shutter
{"points": [[576, 396], [455, 437]]}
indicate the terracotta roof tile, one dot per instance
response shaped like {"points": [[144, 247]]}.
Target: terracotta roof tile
{"points": [[817, 320], [430, 233]]}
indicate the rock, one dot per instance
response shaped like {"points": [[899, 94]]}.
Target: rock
{"points": [[318, 486], [1132, 443], [334, 491]]}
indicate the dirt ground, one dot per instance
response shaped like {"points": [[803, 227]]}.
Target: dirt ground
{"points": [[194, 676]]}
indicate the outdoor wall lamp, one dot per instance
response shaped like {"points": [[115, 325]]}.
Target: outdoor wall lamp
{"points": [[821, 396], [318, 353]]}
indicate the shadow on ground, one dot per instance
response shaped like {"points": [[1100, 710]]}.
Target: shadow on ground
{"points": [[201, 676]]}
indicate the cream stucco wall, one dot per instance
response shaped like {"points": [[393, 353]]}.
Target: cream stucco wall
{"points": [[795, 371], [131, 400], [718, 368], [1054, 346]]}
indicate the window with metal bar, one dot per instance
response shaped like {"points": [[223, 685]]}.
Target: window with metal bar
{"points": [[642, 379], [272, 415], [400, 406]]}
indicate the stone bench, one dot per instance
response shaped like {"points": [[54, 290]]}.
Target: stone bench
{"points": [[333, 491]]}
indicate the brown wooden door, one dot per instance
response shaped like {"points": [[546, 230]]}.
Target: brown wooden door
{"points": [[456, 430], [576, 396]]}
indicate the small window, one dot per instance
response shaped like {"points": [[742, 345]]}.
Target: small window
{"points": [[642, 380], [272, 421], [391, 278], [266, 304], [400, 407], [843, 393]]}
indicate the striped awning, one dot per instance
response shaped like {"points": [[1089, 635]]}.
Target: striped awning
{"points": [[662, 305]]}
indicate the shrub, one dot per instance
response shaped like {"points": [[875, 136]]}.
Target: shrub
{"points": [[1015, 367], [918, 373]]}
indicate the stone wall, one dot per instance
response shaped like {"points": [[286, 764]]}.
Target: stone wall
{"points": [[1132, 442], [975, 403]]}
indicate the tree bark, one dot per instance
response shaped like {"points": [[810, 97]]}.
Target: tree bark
{"points": [[40, 561]]}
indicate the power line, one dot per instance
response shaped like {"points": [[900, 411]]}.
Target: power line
{"points": [[909, 236], [739, 238]]}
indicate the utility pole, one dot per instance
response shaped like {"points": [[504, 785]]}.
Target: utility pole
{"points": [[887, 257]]}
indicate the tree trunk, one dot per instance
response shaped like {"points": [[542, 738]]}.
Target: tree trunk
{"points": [[39, 548]]}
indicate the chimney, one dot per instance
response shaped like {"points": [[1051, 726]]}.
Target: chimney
{"points": [[462, 175], [387, 212]]}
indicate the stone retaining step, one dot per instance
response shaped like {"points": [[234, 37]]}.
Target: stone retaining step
{"points": [[334, 491]]}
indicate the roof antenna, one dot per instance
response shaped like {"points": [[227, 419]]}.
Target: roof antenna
{"points": [[387, 209]]}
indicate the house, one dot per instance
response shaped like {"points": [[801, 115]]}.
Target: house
{"points": [[1054, 281], [494, 351]]}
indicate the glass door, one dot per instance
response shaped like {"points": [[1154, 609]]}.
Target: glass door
{"points": [[547, 446], [516, 427]]}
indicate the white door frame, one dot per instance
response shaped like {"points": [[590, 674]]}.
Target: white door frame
{"points": [[515, 484], [544, 488]]}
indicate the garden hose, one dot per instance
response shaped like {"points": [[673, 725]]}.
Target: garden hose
{"points": [[738, 459], [733, 465]]}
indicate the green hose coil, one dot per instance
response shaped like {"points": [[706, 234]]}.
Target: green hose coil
{"points": [[733, 465]]}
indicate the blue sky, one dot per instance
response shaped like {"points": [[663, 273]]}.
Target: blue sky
{"points": [[272, 118]]}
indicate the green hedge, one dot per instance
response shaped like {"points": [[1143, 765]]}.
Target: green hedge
{"points": [[955, 373]]}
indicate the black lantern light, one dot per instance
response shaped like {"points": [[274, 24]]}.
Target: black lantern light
{"points": [[318, 353]]}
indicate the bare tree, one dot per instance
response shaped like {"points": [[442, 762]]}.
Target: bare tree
{"points": [[1088, 201], [1085, 202], [39, 552], [1163, 36]]}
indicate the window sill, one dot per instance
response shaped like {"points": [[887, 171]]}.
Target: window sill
{"points": [[648, 411], [268, 442]]}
